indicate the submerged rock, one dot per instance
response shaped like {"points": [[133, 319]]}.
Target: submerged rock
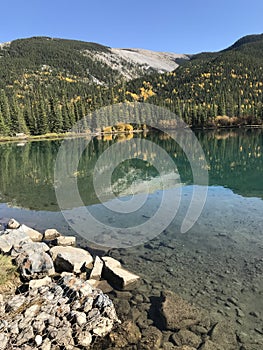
{"points": [[209, 345], [126, 334], [228, 340], [103, 285], [188, 338], [178, 313]]}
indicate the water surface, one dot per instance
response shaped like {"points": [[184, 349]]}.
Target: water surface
{"points": [[220, 257]]}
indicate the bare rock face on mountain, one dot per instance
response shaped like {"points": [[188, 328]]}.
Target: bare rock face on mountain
{"points": [[132, 63]]}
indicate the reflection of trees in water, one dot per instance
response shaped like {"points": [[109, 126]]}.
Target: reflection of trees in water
{"points": [[26, 179], [235, 160]]}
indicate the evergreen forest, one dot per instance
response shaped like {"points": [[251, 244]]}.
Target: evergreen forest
{"points": [[47, 85]]}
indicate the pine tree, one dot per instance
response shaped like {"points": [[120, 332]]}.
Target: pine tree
{"points": [[17, 118], [55, 116], [4, 107], [3, 128], [42, 120]]}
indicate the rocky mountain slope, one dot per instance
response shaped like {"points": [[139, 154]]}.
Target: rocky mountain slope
{"points": [[80, 61], [48, 84], [132, 63]]}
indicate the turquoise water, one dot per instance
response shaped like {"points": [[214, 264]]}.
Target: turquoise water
{"points": [[220, 257]]}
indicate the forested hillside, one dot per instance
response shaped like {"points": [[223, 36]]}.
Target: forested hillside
{"points": [[224, 88], [46, 85]]}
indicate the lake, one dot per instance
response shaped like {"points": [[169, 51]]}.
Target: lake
{"points": [[220, 257]]}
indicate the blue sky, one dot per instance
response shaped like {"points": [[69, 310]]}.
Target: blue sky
{"points": [[167, 25]]}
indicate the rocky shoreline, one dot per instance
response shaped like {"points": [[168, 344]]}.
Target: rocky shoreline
{"points": [[69, 299]]}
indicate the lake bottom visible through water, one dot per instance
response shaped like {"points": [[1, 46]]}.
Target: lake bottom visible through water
{"points": [[217, 265]]}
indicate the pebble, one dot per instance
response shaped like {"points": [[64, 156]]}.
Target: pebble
{"points": [[240, 313], [38, 340], [260, 331], [233, 301], [138, 298]]}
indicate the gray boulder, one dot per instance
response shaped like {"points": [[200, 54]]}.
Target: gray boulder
{"points": [[70, 259], [12, 238], [33, 234], [27, 247], [33, 261], [117, 276]]}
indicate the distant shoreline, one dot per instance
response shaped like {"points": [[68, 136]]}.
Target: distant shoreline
{"points": [[54, 136]]}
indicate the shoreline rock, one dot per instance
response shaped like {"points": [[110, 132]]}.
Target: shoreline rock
{"points": [[119, 277], [75, 311], [67, 313], [70, 259], [69, 310]]}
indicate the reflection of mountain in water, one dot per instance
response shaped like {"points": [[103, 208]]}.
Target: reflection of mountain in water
{"points": [[132, 184], [26, 178]]}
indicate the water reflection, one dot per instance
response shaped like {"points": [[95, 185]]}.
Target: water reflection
{"points": [[234, 158]]}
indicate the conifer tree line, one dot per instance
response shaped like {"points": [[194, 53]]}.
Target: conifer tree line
{"points": [[212, 89]]}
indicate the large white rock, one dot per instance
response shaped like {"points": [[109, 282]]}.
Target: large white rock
{"points": [[11, 239], [109, 261], [66, 241], [97, 269], [51, 234], [33, 234], [71, 259], [5, 245], [46, 281], [13, 224], [117, 276]]}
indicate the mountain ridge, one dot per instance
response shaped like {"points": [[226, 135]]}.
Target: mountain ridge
{"points": [[117, 64], [47, 84]]}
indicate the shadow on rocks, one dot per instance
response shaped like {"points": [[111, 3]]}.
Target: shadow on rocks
{"points": [[155, 314]]}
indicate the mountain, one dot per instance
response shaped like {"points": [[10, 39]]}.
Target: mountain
{"points": [[247, 42], [47, 84], [79, 61], [222, 88], [143, 61]]}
